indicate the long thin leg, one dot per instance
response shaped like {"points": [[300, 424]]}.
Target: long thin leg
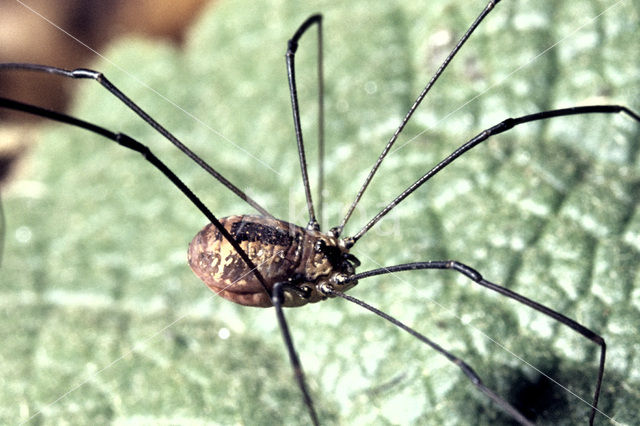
{"points": [[466, 369], [277, 300], [104, 82], [320, 180], [131, 143], [501, 127], [476, 277], [488, 8], [295, 107]]}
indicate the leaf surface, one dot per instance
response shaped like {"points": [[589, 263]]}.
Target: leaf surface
{"points": [[103, 322]]}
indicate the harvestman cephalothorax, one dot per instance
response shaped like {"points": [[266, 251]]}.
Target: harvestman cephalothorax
{"points": [[326, 266]]}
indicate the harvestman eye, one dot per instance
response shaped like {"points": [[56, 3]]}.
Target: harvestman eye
{"points": [[257, 260]]}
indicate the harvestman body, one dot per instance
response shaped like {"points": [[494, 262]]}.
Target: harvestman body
{"points": [[262, 261], [308, 260]]}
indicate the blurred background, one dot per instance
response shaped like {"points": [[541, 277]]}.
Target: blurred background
{"points": [[24, 38]]}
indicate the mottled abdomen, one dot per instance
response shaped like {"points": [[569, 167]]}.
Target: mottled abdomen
{"points": [[279, 249]]}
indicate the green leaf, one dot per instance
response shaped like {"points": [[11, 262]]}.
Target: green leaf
{"points": [[103, 322]]}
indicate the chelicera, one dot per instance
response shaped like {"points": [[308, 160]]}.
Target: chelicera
{"points": [[261, 261]]}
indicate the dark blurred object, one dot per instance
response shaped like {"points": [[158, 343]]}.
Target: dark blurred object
{"points": [[25, 36]]}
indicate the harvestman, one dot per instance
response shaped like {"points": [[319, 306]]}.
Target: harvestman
{"points": [[261, 261]]}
